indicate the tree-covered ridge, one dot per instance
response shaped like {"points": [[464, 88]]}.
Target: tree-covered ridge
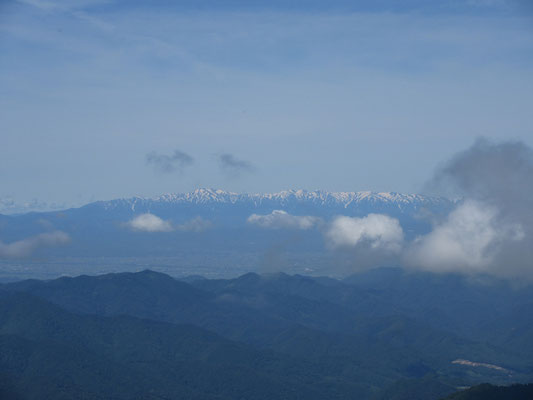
{"points": [[378, 335], [47, 352], [491, 392]]}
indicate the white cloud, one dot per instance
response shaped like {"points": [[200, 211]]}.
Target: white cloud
{"points": [[26, 247], [280, 219], [150, 223], [468, 240], [380, 231]]}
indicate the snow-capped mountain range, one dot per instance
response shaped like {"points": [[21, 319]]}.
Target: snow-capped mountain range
{"points": [[208, 219], [234, 208], [283, 199]]}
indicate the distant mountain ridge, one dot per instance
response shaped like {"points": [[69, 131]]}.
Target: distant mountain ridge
{"points": [[214, 220], [491, 392], [9, 206], [261, 336], [285, 197], [216, 203], [340, 202]]}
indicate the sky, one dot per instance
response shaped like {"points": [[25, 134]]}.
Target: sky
{"points": [[105, 99]]}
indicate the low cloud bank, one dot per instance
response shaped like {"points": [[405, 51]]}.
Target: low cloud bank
{"points": [[377, 231], [368, 241], [26, 247], [490, 231], [152, 223], [280, 219]]}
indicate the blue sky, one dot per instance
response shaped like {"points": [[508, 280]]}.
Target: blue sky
{"points": [[345, 96]]}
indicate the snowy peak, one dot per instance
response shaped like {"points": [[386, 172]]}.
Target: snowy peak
{"points": [[204, 196], [286, 198], [199, 196]]}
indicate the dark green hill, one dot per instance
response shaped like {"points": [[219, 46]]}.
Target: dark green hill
{"points": [[365, 333], [46, 352], [270, 312], [480, 308], [491, 392]]}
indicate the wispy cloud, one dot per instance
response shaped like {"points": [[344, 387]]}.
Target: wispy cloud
{"points": [[164, 163], [26, 247], [280, 219], [61, 5], [234, 166]]}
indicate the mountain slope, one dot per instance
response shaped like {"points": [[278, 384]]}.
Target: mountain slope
{"points": [[205, 228], [354, 334], [233, 208], [46, 352], [481, 308], [284, 199], [491, 392]]}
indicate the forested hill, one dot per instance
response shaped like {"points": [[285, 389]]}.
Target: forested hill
{"points": [[261, 336], [491, 392]]}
